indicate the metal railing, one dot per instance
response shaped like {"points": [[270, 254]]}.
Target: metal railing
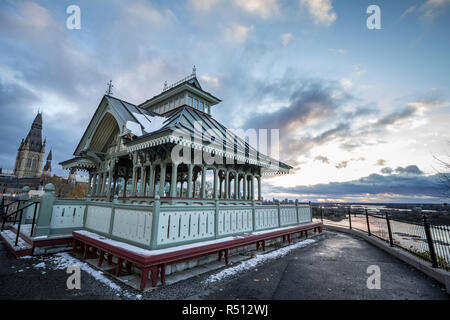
{"points": [[19, 213], [429, 242], [9, 209]]}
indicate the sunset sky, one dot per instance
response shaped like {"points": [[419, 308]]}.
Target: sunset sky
{"points": [[363, 114]]}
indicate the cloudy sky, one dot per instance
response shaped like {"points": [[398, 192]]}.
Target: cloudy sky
{"points": [[363, 114]]}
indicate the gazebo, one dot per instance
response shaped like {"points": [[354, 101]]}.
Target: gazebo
{"points": [[169, 145]]}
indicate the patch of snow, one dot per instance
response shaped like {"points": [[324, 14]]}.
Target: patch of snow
{"points": [[25, 257], [40, 237], [39, 265], [134, 127], [10, 237], [272, 230], [259, 259], [63, 260], [150, 123], [21, 270]]}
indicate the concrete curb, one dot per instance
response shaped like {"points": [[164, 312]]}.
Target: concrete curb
{"points": [[440, 275]]}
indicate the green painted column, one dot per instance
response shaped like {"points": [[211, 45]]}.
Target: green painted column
{"points": [[134, 180], [143, 180], [259, 188], [103, 192], [114, 185], [109, 185], [252, 187], [189, 190], [244, 187], [216, 184], [162, 179], [227, 184], [236, 185], [111, 181], [173, 180], [151, 181], [45, 212], [89, 190], [94, 184], [203, 190], [97, 183]]}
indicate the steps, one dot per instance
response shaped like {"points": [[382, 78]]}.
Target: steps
{"points": [[22, 249], [28, 245]]}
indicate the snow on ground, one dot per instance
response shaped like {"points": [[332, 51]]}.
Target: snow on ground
{"points": [[259, 259], [39, 265], [63, 260]]}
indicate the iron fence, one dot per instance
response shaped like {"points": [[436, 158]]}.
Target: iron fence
{"points": [[430, 242]]}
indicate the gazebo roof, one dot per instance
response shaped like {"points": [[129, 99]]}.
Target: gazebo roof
{"points": [[216, 137], [147, 129]]}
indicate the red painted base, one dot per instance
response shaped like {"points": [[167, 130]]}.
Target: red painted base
{"points": [[156, 264]]}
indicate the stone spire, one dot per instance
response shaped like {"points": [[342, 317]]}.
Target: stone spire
{"points": [[48, 164], [34, 137], [31, 152]]}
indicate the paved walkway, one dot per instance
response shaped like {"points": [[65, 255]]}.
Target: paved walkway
{"points": [[332, 268]]}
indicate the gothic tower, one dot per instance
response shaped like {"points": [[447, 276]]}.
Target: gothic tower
{"points": [[47, 171], [30, 155]]}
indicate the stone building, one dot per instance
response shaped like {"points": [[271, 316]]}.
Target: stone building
{"points": [[30, 155], [28, 170]]}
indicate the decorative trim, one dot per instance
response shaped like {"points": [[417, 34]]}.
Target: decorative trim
{"points": [[198, 146]]}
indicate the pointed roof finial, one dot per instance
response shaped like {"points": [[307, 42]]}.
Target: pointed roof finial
{"points": [[165, 85], [194, 71], [109, 90]]}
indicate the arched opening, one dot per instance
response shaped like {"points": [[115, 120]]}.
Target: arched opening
{"points": [[106, 135]]}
